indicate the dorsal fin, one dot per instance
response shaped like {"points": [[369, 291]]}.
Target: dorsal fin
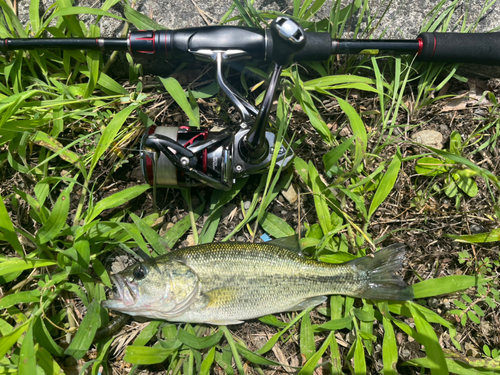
{"points": [[291, 243]]}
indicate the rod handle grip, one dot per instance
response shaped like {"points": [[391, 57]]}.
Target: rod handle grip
{"points": [[476, 48]]}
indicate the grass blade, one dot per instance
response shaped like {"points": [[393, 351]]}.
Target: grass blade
{"points": [[19, 297], [8, 340], [307, 347], [151, 236], [232, 345], [492, 236], [175, 90], [86, 332], [27, 356], [336, 360], [320, 200], [109, 134], [44, 338], [446, 285], [206, 365], [386, 184], [116, 200], [141, 21], [143, 355], [42, 139], [72, 11], [276, 226], [389, 349], [11, 265], [102, 273], [7, 229], [255, 358], [57, 218], [331, 158], [313, 361], [358, 129], [269, 345], [430, 341], [359, 357], [46, 362], [34, 16], [199, 342], [93, 63]]}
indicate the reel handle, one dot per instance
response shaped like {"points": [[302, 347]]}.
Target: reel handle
{"points": [[288, 39]]}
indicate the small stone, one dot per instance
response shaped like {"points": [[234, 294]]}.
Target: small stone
{"points": [[433, 302], [446, 303], [476, 229], [345, 132], [405, 353], [247, 205], [159, 221], [290, 194], [429, 138], [189, 240]]}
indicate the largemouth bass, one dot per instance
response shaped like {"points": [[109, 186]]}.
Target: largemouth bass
{"points": [[226, 283]]}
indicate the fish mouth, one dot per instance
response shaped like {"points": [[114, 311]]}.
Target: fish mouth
{"points": [[124, 296]]}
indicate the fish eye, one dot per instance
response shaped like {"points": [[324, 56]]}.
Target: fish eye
{"points": [[140, 272]]}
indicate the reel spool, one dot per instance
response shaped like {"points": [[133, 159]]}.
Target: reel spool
{"points": [[207, 157]]}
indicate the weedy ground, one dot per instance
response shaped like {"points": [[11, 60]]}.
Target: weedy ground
{"points": [[74, 205]]}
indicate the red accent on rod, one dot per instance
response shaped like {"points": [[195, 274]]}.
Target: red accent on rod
{"points": [[435, 43], [420, 45]]}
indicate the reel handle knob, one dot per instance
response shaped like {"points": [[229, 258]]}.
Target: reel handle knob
{"points": [[288, 39]]}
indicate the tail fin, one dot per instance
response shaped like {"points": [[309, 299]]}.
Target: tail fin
{"points": [[381, 282]]}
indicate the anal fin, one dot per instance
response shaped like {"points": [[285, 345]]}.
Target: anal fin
{"points": [[223, 322], [308, 302]]}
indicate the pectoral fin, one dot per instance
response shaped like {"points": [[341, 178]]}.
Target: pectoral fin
{"points": [[220, 297], [309, 302]]}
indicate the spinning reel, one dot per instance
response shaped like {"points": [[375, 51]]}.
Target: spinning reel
{"points": [[181, 156]]}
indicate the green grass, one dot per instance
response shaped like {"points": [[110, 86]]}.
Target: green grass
{"points": [[63, 119]]}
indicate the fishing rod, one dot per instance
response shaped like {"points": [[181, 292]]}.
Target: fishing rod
{"points": [[182, 156]]}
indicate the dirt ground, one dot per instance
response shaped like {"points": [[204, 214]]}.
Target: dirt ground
{"points": [[413, 214]]}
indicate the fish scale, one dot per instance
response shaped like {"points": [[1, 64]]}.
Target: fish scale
{"points": [[226, 283]]}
